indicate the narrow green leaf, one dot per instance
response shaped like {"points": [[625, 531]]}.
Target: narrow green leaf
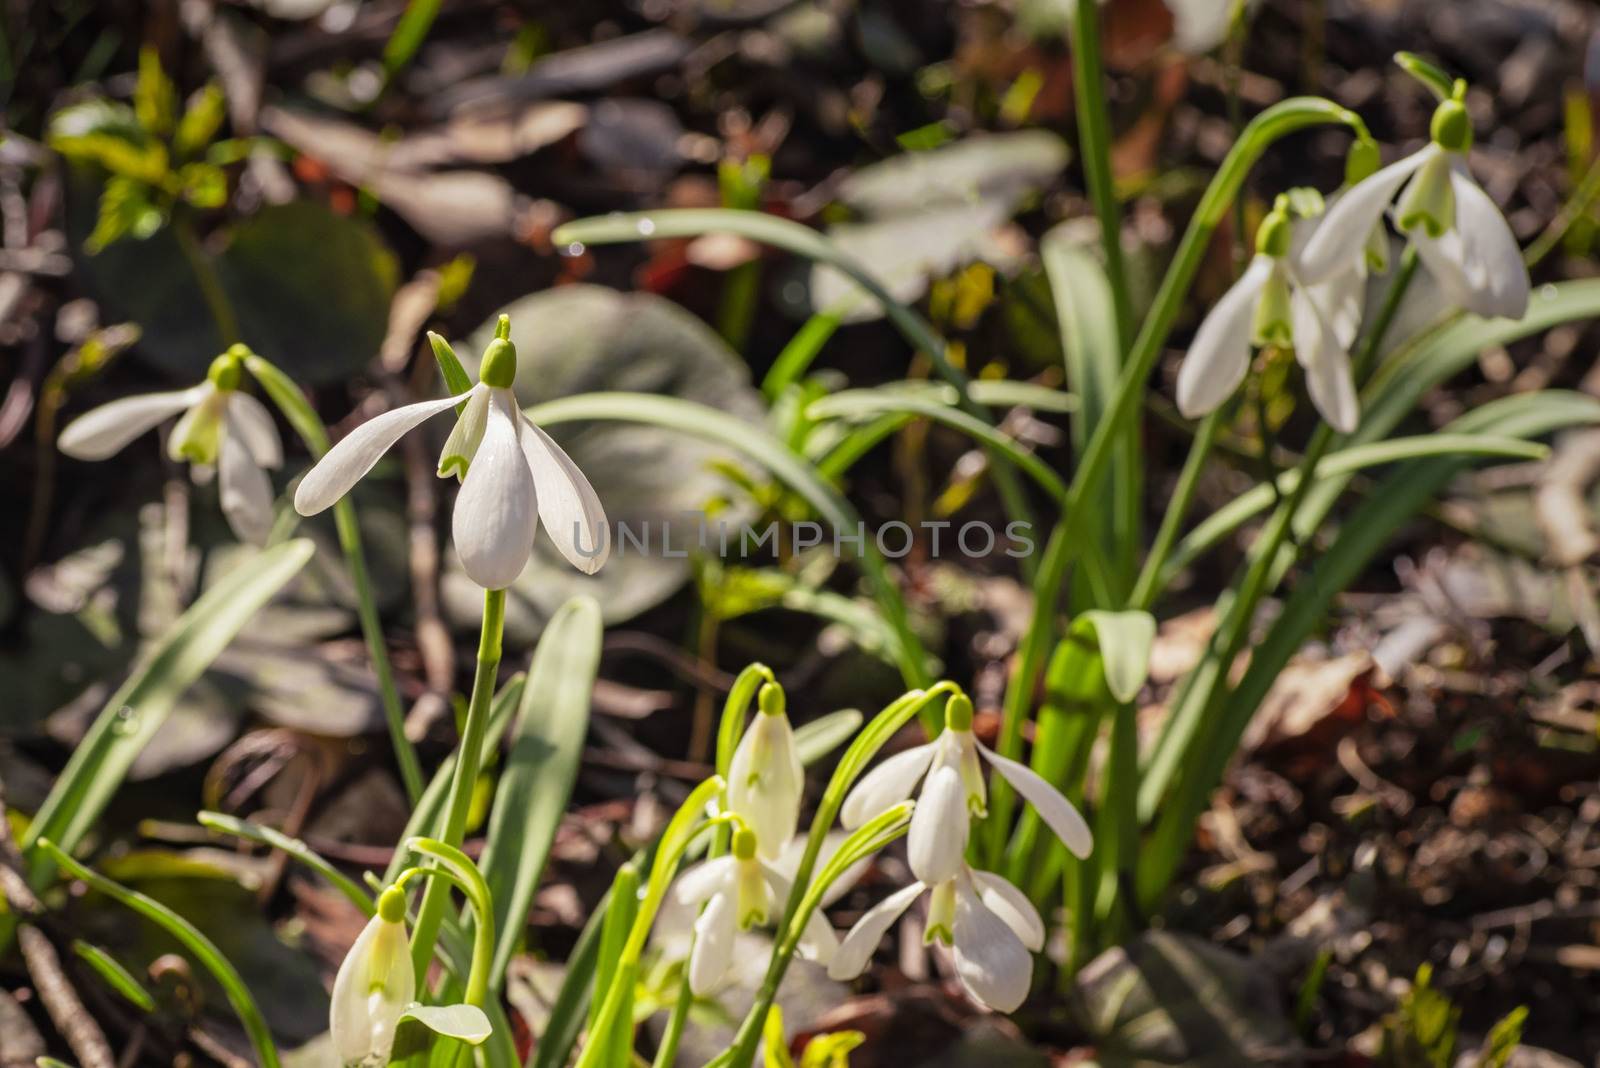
{"points": [[292, 847], [115, 975], [136, 711], [456, 379], [203, 949], [546, 747], [815, 740], [1428, 73]]}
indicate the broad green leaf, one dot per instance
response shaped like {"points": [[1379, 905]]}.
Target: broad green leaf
{"points": [[137, 710], [200, 122], [198, 945], [1004, 168], [1125, 639], [465, 1023], [727, 430], [546, 747], [155, 99]]}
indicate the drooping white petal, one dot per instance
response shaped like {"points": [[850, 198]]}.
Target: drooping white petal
{"points": [[940, 827], [701, 881], [885, 786], [1326, 363], [1057, 812], [245, 490], [1340, 298], [1220, 353], [568, 507], [362, 1014], [354, 456], [1341, 237], [104, 431], [715, 933], [1012, 906], [766, 782], [1490, 258], [991, 961], [496, 514], [855, 949], [250, 420]]}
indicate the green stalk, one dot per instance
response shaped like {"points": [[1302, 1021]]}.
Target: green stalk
{"points": [[1094, 145], [205, 277], [468, 757], [1207, 684], [1148, 587], [458, 868], [305, 421], [1281, 119]]}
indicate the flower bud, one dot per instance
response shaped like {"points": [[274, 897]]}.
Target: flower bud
{"points": [[765, 780], [374, 987]]}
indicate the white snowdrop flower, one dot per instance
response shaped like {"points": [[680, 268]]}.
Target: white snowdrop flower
{"points": [[766, 782], [1459, 234], [1270, 305], [953, 792], [513, 477], [222, 431], [992, 930], [739, 891], [374, 988]]}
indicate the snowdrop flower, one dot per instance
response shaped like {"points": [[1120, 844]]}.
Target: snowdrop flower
{"points": [[765, 779], [222, 431], [374, 987], [992, 930], [953, 792], [739, 891], [1269, 305], [513, 476], [1458, 233]]}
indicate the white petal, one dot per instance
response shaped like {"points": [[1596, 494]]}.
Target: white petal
{"points": [[715, 933], [788, 860], [354, 456], [1340, 298], [245, 490], [701, 881], [1012, 906], [249, 418], [1326, 363], [104, 431], [940, 827], [568, 507], [1220, 353], [991, 961], [1491, 258], [1341, 237], [766, 782], [1056, 811], [885, 786], [855, 949], [361, 1020], [817, 940], [496, 513]]}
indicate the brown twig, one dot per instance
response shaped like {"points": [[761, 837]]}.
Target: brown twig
{"points": [[82, 1034]]}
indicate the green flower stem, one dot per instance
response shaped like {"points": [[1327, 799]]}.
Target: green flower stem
{"points": [[469, 755], [305, 421], [205, 277], [1149, 585], [1205, 690], [203, 949], [459, 869], [1286, 117], [681, 830]]}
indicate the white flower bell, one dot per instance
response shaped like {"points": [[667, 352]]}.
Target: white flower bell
{"points": [[991, 927], [513, 477], [222, 430], [952, 793], [739, 891], [1271, 305], [766, 782], [374, 988], [1459, 234]]}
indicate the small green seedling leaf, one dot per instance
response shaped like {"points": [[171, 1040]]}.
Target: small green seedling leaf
{"points": [[464, 1023], [1125, 640], [115, 975]]}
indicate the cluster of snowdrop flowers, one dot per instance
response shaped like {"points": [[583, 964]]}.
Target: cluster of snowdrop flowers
{"points": [[1304, 288], [990, 926], [513, 476], [375, 986], [222, 432]]}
